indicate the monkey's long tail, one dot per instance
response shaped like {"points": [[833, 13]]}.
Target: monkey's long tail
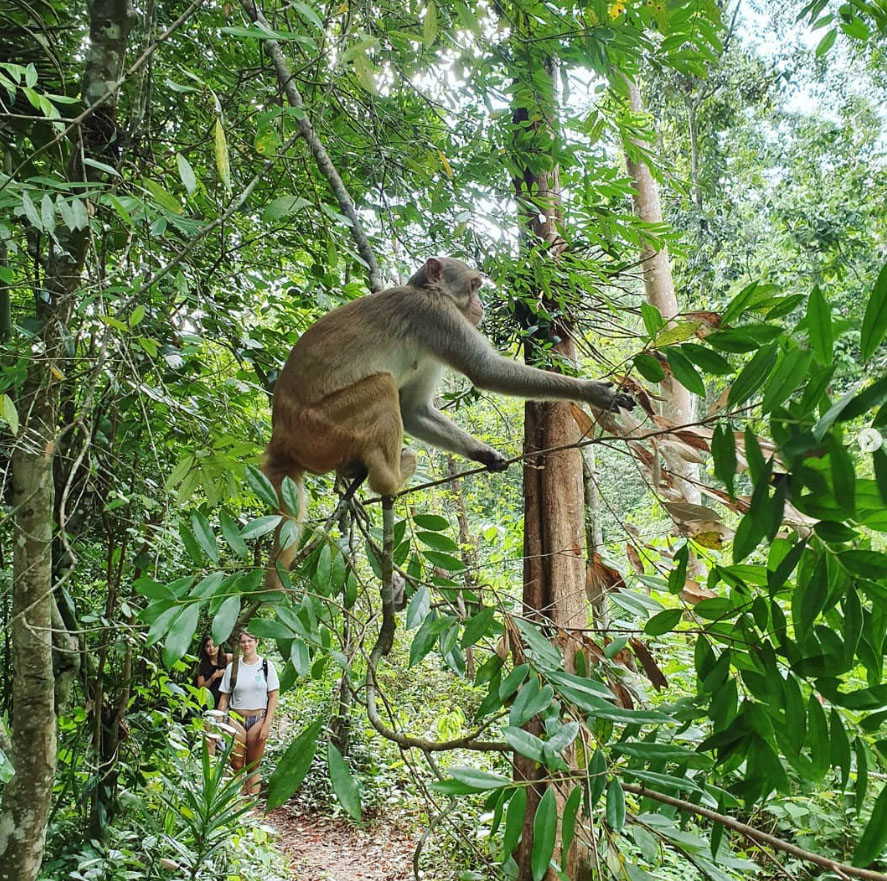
{"points": [[286, 539]]}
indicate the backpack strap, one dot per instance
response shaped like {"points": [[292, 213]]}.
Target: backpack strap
{"points": [[265, 671]]}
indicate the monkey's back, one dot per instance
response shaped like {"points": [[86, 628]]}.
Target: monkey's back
{"points": [[355, 341]]}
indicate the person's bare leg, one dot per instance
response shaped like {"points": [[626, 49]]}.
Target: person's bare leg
{"points": [[255, 749], [238, 750]]}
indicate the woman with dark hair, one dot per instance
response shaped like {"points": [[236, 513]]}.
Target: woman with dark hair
{"points": [[211, 668]]}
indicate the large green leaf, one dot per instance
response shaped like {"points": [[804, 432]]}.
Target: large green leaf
{"points": [[752, 375], [871, 843], [343, 783], [293, 766], [684, 372], [225, 618], [181, 632], [874, 322], [514, 822], [819, 326], [615, 805], [544, 834]]}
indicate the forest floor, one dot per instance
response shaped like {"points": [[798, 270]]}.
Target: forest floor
{"points": [[332, 849]]}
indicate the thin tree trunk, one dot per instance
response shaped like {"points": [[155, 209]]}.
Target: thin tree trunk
{"points": [[678, 404], [26, 797], [594, 536]]}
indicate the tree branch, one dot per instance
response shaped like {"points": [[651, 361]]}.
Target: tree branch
{"points": [[306, 130], [756, 835]]}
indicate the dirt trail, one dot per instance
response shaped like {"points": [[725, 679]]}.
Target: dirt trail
{"points": [[328, 849]]}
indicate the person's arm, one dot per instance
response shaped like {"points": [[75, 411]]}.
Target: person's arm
{"points": [[203, 681], [269, 714], [223, 700]]}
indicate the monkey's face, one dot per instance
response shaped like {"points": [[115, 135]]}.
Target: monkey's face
{"points": [[474, 309]]}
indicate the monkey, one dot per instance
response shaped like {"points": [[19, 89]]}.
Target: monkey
{"points": [[366, 372]]}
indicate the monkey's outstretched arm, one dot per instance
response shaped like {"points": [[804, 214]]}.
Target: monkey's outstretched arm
{"points": [[427, 423], [465, 349]]}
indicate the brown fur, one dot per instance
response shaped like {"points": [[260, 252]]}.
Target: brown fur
{"points": [[365, 372]]}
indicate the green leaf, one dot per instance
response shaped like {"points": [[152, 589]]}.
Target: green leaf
{"points": [[530, 701], [879, 462], [874, 323], [723, 451], [684, 371], [525, 743], [664, 622], [293, 766], [137, 315], [261, 486], [162, 197], [649, 367], [308, 14], [31, 211], [438, 542], [868, 564], [283, 206], [477, 626], [752, 375], [748, 338], [186, 173], [568, 818], [739, 303], [204, 535], [429, 25], [867, 400], [225, 619], [431, 522], [260, 526], [444, 561], [291, 495], [343, 783], [418, 608], [47, 213], [9, 414], [514, 822], [788, 375], [826, 43], [232, 535], [220, 146], [191, 545], [819, 326], [652, 318], [615, 805], [871, 843], [706, 359], [544, 835], [181, 632], [481, 781]]}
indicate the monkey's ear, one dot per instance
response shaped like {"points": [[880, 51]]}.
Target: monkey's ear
{"points": [[433, 270]]}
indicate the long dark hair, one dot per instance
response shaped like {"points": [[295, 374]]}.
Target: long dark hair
{"points": [[205, 664]]}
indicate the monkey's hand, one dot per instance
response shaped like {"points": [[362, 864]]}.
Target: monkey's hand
{"points": [[604, 396], [492, 459]]}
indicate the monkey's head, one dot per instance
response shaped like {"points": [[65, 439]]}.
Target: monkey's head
{"points": [[457, 281]]}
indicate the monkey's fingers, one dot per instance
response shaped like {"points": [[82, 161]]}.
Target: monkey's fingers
{"points": [[493, 460], [626, 402]]}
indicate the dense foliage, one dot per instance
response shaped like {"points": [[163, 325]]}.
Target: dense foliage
{"points": [[167, 231]]}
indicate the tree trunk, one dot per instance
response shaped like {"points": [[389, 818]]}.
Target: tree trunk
{"points": [[27, 796], [554, 569], [678, 405]]}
